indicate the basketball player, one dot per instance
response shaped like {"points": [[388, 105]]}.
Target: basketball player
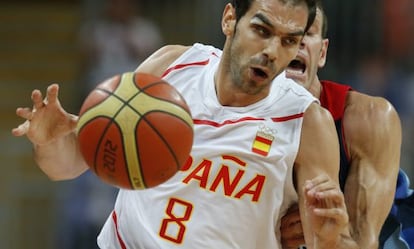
{"points": [[369, 131], [252, 132]]}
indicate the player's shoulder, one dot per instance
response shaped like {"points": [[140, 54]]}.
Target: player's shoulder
{"points": [[159, 61], [369, 118], [317, 120], [316, 114], [372, 109], [171, 50], [169, 55]]}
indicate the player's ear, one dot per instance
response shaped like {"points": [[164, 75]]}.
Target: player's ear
{"points": [[228, 20], [324, 52]]}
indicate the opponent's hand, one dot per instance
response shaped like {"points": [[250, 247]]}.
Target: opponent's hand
{"points": [[47, 120], [291, 229], [326, 207]]}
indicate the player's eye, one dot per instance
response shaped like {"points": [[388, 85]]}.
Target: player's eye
{"points": [[261, 30], [290, 41], [310, 33]]}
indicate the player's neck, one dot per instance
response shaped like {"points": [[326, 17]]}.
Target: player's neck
{"points": [[316, 88]]}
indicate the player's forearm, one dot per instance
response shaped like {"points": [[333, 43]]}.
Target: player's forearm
{"points": [[319, 243], [343, 242], [61, 159], [331, 242], [346, 242], [366, 237], [363, 238]]}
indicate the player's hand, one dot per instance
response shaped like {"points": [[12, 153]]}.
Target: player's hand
{"points": [[325, 205], [46, 120], [291, 229]]}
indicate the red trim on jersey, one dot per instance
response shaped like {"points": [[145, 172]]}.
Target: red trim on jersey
{"points": [[287, 118], [179, 66], [121, 242], [229, 122]]}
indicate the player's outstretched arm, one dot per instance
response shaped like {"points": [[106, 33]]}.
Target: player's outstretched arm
{"points": [[322, 205], [52, 131]]}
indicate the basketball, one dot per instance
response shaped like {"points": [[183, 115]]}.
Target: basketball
{"points": [[135, 130]]}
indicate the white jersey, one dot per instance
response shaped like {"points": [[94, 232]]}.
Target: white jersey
{"points": [[229, 194]]}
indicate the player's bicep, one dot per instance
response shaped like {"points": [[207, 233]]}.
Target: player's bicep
{"points": [[319, 147], [318, 154], [375, 157], [374, 133]]}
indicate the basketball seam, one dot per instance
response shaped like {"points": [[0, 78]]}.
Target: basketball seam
{"points": [[106, 129], [126, 103]]}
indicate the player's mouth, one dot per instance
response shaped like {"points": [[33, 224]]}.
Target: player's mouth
{"points": [[297, 66], [296, 69], [258, 74]]}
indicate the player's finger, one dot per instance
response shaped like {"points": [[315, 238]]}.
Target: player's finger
{"points": [[334, 195], [21, 129], [73, 121], [52, 93], [319, 179], [312, 188], [310, 184], [37, 99], [25, 113], [337, 214]]}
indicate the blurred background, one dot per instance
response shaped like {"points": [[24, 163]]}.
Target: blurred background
{"points": [[79, 43]]}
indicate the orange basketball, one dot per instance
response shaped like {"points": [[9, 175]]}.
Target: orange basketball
{"points": [[135, 131]]}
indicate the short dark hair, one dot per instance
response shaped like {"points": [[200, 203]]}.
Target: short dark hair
{"points": [[242, 6], [319, 6]]}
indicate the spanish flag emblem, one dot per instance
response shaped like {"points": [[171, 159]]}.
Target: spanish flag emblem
{"points": [[262, 143]]}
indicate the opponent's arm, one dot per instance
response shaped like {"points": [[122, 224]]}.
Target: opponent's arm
{"points": [[373, 138], [52, 130], [322, 206]]}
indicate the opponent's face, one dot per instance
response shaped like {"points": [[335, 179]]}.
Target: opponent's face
{"points": [[263, 42], [311, 56]]}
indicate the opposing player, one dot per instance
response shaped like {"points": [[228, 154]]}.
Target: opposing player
{"points": [[252, 132], [369, 131]]}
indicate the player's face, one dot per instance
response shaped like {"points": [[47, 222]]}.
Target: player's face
{"points": [[263, 42], [312, 55]]}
